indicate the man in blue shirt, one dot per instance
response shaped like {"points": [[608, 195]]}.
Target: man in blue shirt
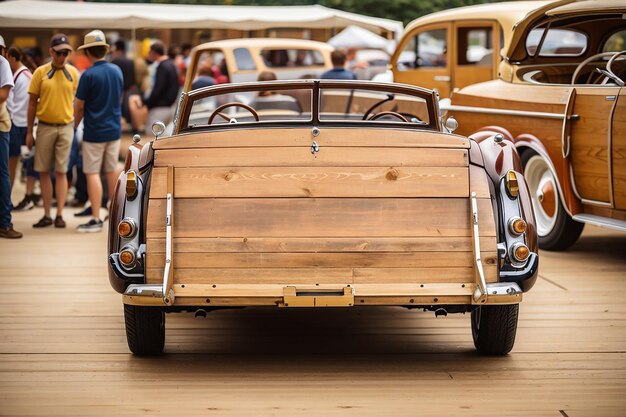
{"points": [[98, 99], [339, 72]]}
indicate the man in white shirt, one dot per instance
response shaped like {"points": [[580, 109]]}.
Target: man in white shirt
{"points": [[6, 83], [17, 105]]}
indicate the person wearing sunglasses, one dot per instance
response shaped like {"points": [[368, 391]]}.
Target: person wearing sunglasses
{"points": [[51, 99]]}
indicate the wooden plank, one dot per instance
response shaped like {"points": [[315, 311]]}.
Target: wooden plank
{"points": [[314, 182], [322, 260], [295, 245], [302, 157], [320, 275], [327, 217], [286, 137]]}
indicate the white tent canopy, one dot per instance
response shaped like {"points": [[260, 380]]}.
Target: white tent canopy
{"points": [[82, 15], [358, 37]]}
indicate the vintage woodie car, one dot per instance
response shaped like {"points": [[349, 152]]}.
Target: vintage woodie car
{"points": [[561, 100], [365, 199], [457, 47], [246, 58]]}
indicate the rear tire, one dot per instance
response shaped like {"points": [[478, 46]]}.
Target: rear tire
{"points": [[555, 228], [145, 329], [494, 328]]}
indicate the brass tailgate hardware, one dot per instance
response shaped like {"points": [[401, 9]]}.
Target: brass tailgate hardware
{"points": [[168, 273], [294, 297]]}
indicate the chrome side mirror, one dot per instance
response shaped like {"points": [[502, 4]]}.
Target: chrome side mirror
{"points": [[451, 124], [158, 128]]}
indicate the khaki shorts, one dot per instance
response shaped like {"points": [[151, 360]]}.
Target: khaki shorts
{"points": [[99, 156], [53, 144]]}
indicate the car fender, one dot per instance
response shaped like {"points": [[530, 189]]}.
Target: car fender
{"points": [[567, 195], [137, 157]]}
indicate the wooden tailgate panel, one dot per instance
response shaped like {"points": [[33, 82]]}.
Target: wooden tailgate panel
{"points": [[349, 214]]}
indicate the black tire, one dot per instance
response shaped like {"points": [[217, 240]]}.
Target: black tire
{"points": [[494, 328], [556, 230], [145, 329]]}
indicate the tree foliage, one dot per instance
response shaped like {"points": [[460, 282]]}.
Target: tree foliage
{"points": [[403, 10]]}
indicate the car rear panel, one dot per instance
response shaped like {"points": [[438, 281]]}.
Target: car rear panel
{"points": [[378, 210]]}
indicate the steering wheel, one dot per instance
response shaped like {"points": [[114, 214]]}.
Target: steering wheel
{"points": [[609, 68], [218, 112], [388, 113], [592, 58]]}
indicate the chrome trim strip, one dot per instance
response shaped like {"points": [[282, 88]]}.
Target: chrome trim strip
{"points": [[142, 290], [505, 112], [596, 203], [601, 221], [168, 299], [480, 295]]}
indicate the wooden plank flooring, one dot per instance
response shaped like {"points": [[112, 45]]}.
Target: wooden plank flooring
{"points": [[63, 349]]}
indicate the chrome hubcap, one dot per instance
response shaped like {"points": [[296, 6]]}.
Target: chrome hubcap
{"points": [[543, 193]]}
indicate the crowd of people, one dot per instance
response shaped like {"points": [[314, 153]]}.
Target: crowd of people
{"points": [[64, 120]]}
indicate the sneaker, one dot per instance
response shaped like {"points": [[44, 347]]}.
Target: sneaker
{"points": [[84, 213], [59, 223], [36, 199], [93, 225], [27, 203], [45, 221], [9, 233]]}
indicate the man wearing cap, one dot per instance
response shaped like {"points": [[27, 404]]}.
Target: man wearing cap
{"points": [[51, 93], [99, 99], [6, 83]]}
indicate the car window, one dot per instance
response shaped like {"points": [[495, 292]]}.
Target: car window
{"points": [[355, 105], [557, 42], [244, 59], [615, 43], [475, 46], [276, 58], [426, 49]]}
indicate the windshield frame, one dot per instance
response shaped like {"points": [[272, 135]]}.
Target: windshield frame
{"points": [[430, 98]]}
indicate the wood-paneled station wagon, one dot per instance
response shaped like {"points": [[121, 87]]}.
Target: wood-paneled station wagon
{"points": [[365, 200], [561, 99]]}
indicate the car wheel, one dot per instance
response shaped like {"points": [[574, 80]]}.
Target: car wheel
{"points": [[494, 328], [555, 228], [145, 329]]}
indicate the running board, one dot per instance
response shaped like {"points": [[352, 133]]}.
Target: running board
{"points": [[601, 221]]}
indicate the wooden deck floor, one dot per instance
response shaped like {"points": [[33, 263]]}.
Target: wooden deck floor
{"points": [[63, 349]]}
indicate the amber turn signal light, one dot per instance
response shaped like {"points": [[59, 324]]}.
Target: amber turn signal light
{"points": [[520, 252], [131, 184], [517, 226], [511, 184], [127, 228], [127, 257]]}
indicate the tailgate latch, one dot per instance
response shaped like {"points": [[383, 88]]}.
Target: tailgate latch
{"points": [[316, 297]]}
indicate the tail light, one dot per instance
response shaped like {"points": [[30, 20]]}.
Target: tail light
{"points": [[128, 257], [517, 226], [127, 228], [520, 252]]}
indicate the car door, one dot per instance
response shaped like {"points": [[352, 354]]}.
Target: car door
{"points": [[476, 52], [423, 59], [589, 142], [618, 151]]}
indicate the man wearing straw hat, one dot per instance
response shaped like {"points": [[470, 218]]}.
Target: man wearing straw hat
{"points": [[98, 100]]}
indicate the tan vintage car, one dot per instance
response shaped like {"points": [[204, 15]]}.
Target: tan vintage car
{"points": [[457, 47], [364, 199], [561, 99], [242, 60]]}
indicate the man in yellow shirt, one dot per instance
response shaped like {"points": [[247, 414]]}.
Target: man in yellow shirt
{"points": [[51, 93]]}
